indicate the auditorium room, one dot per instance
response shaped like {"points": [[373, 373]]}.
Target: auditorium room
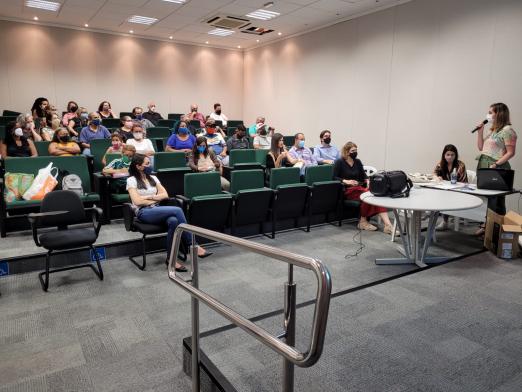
{"points": [[260, 195]]}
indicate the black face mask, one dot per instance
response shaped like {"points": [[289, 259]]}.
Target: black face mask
{"points": [[327, 140], [353, 155], [73, 109], [64, 139], [240, 135], [194, 110], [218, 112]]}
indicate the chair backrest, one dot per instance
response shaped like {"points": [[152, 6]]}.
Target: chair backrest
{"points": [[71, 165], [194, 124], [4, 120], [98, 149], [123, 114], [472, 176], [234, 123], [10, 113], [166, 123], [42, 148], [167, 160], [288, 141], [111, 122], [318, 173], [202, 184], [242, 156], [112, 156], [370, 170], [174, 116], [246, 179], [231, 131], [261, 156], [62, 201], [284, 176], [158, 132], [2, 132]]}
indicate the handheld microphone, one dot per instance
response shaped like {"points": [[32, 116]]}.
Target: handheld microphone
{"points": [[477, 128]]}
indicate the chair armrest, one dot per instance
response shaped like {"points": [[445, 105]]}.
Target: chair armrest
{"points": [[97, 214], [34, 218], [128, 216], [171, 201], [184, 201]]}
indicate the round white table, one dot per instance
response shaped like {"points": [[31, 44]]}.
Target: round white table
{"points": [[421, 200]]}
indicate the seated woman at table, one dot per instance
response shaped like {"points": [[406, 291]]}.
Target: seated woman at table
{"points": [[449, 161], [350, 171]]}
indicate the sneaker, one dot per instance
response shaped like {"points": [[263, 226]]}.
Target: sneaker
{"points": [[366, 226], [442, 226], [388, 229]]}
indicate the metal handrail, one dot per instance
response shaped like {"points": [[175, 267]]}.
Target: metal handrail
{"points": [[293, 356]]}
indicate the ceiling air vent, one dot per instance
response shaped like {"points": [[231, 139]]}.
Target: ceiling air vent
{"points": [[257, 30], [228, 22]]}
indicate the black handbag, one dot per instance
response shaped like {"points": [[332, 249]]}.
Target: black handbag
{"points": [[390, 183]]}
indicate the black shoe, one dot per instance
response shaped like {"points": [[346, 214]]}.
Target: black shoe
{"points": [[205, 255], [181, 269]]}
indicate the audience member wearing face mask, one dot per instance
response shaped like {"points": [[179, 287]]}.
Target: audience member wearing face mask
{"points": [[326, 153], [350, 171], [92, 131], [119, 169], [262, 140], [203, 159], [116, 146], [62, 145], [105, 110], [53, 123], [125, 129], [152, 114], [26, 123], [215, 140], [146, 192], [302, 154], [40, 106], [238, 141], [140, 142], [218, 115], [72, 111], [183, 140], [79, 121], [137, 115], [16, 144]]}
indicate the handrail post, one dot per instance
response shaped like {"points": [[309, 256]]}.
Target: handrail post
{"points": [[290, 310], [195, 319]]}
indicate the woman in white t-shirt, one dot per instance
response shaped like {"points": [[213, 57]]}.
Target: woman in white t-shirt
{"points": [[140, 142], [146, 191]]}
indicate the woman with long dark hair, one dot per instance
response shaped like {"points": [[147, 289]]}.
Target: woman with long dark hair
{"points": [[203, 159], [105, 110], [16, 144], [449, 162], [146, 192], [497, 147], [39, 107], [278, 155]]}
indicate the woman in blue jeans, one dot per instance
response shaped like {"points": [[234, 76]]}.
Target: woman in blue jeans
{"points": [[146, 191]]}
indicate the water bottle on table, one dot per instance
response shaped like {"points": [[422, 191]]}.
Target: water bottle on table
{"points": [[453, 176]]}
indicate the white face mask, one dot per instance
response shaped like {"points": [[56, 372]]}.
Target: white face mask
{"points": [[489, 117], [18, 132], [138, 136]]}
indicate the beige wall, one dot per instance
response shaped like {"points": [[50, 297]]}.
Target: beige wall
{"points": [[63, 64], [401, 83]]}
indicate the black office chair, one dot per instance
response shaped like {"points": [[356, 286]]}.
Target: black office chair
{"points": [[61, 209], [133, 224]]}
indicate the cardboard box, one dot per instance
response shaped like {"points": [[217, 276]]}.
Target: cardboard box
{"points": [[502, 233]]}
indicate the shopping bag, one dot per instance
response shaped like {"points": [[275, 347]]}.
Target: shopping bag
{"points": [[15, 185], [44, 182]]}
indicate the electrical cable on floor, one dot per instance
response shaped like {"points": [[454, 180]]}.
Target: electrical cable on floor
{"points": [[360, 243]]}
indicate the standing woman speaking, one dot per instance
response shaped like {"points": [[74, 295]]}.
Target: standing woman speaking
{"points": [[498, 146]]}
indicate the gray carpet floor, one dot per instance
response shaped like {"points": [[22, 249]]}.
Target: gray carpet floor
{"points": [[125, 333]]}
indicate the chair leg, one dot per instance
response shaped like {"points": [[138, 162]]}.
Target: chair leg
{"points": [[99, 271], [144, 254], [273, 224], [45, 282], [393, 230]]}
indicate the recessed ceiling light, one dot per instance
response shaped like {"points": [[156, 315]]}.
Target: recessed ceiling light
{"points": [[131, 31], [35, 18], [221, 32], [44, 5], [257, 40], [170, 37], [279, 33], [263, 14], [239, 46], [206, 42], [175, 1], [86, 25], [142, 20]]}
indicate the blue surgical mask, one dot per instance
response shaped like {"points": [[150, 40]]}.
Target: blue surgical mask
{"points": [[301, 143], [84, 116], [147, 170], [183, 130], [201, 149], [96, 122], [139, 116]]}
